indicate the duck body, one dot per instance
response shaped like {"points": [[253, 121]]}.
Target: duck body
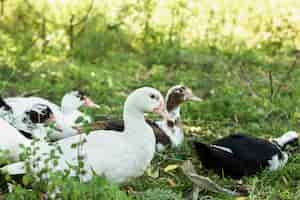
{"points": [[20, 105], [116, 155], [118, 159], [174, 133], [240, 155]]}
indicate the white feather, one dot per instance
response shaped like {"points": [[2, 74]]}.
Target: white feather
{"points": [[221, 148], [286, 138], [276, 163], [11, 139]]}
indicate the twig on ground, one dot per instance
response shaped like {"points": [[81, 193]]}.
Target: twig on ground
{"points": [[205, 182]]}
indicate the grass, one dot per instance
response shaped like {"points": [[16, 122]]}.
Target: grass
{"points": [[227, 110], [241, 57]]}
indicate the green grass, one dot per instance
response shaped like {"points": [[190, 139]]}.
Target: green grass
{"points": [[239, 55], [228, 110]]}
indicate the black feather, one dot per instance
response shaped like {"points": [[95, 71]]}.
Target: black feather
{"points": [[249, 155], [118, 125], [4, 105]]}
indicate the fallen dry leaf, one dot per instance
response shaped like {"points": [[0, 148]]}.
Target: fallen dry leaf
{"points": [[170, 168]]}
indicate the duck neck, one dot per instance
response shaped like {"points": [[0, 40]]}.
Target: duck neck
{"points": [[134, 119], [175, 113], [137, 132], [68, 108], [175, 121], [173, 107]]}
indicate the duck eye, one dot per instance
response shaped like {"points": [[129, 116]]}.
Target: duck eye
{"points": [[80, 96], [152, 96], [179, 90]]}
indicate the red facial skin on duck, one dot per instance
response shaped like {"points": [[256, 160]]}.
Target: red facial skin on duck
{"points": [[52, 119]]}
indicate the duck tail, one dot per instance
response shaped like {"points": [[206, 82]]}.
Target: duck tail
{"points": [[4, 105], [287, 138]]}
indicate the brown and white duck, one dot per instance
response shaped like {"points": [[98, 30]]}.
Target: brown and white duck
{"points": [[167, 132]]}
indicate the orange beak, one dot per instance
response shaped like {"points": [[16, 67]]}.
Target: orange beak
{"points": [[89, 103], [189, 96]]}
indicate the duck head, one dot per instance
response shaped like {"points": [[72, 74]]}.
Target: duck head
{"points": [[74, 100], [143, 100], [176, 96]]}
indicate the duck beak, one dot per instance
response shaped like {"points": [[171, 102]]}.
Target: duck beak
{"points": [[89, 103], [161, 110], [195, 98], [189, 96]]}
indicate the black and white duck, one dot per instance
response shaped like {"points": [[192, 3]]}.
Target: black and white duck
{"points": [[33, 125], [66, 116], [240, 155]]}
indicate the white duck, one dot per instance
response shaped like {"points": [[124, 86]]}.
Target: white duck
{"points": [[65, 116], [117, 155]]}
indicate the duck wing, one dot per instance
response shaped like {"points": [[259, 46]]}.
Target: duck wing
{"points": [[249, 148], [219, 159], [106, 123], [160, 135]]}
